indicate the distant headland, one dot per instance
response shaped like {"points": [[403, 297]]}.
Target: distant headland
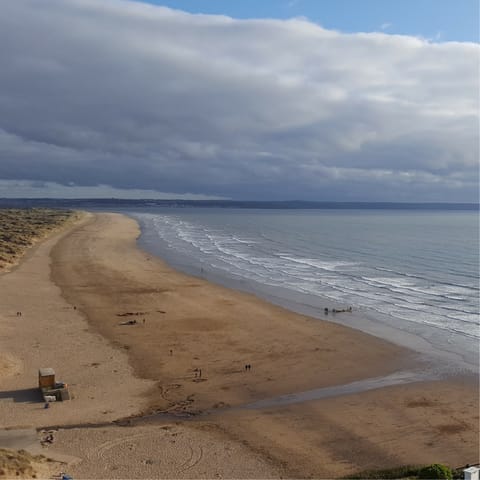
{"points": [[87, 203]]}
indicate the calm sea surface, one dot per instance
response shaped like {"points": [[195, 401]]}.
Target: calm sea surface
{"points": [[411, 276]]}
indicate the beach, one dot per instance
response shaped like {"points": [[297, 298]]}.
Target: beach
{"points": [[162, 366]]}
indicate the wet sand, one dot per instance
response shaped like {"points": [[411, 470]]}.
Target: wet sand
{"points": [[185, 351]]}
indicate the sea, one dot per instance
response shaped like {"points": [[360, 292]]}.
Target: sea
{"points": [[410, 276]]}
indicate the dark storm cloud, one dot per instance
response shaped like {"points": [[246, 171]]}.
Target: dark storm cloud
{"points": [[141, 97]]}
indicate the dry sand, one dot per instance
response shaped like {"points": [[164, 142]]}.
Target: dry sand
{"points": [[51, 333], [100, 279]]}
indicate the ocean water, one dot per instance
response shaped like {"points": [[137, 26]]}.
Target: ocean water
{"points": [[410, 276]]}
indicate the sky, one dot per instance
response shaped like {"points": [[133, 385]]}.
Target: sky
{"points": [[332, 100], [438, 20]]}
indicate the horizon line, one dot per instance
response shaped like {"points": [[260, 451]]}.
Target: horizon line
{"points": [[146, 199]]}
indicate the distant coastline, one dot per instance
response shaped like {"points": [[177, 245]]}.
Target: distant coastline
{"points": [[87, 203]]}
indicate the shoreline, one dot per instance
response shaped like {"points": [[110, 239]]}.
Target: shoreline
{"points": [[457, 355], [118, 371]]}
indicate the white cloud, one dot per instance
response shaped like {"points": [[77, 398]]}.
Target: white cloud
{"points": [[147, 98], [385, 26]]}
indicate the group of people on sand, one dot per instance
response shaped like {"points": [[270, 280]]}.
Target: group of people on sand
{"points": [[336, 310]]}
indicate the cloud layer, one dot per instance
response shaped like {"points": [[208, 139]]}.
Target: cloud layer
{"points": [[142, 97]]}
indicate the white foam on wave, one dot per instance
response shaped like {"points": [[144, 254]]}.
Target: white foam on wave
{"points": [[399, 294], [330, 265], [389, 281], [247, 241], [408, 287]]}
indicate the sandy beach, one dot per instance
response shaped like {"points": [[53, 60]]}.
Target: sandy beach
{"points": [[133, 337]]}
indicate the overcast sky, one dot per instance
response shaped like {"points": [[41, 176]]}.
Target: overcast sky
{"points": [[101, 97]]}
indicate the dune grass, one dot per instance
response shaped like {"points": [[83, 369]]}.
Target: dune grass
{"points": [[407, 471], [20, 464], [21, 228], [411, 472]]}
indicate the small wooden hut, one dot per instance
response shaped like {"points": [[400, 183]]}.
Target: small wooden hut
{"points": [[46, 378]]}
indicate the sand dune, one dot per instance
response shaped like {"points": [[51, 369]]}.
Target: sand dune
{"points": [[22, 228]]}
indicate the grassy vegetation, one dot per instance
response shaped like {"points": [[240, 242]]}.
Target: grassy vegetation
{"points": [[413, 472], [20, 464], [20, 228], [436, 471], [407, 471]]}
